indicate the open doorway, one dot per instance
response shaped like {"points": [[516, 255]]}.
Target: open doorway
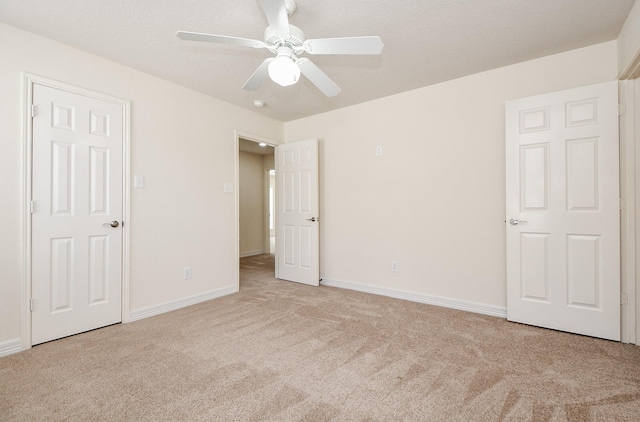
{"points": [[256, 204]]}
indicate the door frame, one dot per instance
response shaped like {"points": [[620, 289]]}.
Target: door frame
{"points": [[629, 287], [29, 80], [236, 192]]}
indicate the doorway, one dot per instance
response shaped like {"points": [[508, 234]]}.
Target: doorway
{"points": [[255, 182], [295, 206]]}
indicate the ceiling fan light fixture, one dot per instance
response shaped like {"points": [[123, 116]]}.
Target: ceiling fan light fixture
{"points": [[283, 70], [288, 43]]}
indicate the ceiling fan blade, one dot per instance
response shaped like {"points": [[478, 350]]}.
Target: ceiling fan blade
{"points": [[349, 45], [318, 77], [219, 39], [276, 15], [259, 76]]}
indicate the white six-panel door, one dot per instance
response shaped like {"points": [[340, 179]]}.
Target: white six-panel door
{"points": [[77, 192], [563, 232], [297, 222]]}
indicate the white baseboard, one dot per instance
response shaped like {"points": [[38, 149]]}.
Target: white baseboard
{"points": [[252, 253], [180, 303], [462, 305], [10, 347]]}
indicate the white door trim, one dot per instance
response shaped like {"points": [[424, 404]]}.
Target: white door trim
{"points": [[628, 286], [27, 163], [255, 138]]}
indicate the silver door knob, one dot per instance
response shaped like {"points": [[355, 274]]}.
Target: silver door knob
{"points": [[312, 219], [515, 221], [114, 223]]}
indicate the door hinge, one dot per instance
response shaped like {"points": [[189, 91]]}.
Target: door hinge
{"points": [[31, 207], [622, 109], [624, 299], [622, 204], [33, 110], [31, 304]]}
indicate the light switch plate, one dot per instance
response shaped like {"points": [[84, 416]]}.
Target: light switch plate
{"points": [[228, 188], [138, 181]]}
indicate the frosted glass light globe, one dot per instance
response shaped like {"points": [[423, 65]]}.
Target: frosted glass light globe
{"points": [[283, 71]]}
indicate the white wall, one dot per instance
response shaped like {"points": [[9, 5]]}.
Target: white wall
{"points": [[251, 200], [183, 143], [629, 41], [435, 200]]}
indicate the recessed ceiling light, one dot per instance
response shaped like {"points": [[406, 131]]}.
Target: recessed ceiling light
{"points": [[258, 103], [262, 144]]}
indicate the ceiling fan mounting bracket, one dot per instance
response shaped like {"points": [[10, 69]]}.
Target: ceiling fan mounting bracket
{"points": [[290, 6]]}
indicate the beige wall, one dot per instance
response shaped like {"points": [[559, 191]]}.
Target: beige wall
{"points": [[251, 200], [268, 162], [183, 143], [629, 41], [435, 200]]}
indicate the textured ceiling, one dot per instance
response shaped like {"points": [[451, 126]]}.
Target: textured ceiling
{"points": [[426, 41]]}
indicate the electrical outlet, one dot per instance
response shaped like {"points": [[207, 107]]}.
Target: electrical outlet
{"points": [[186, 273], [394, 266], [378, 151]]}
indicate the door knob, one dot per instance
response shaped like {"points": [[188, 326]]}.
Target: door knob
{"points": [[312, 219], [114, 223], [515, 221]]}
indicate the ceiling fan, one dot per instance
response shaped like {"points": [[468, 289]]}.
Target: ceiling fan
{"points": [[287, 42]]}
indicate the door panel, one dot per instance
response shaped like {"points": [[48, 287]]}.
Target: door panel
{"points": [[77, 188], [535, 176], [298, 236], [563, 250], [534, 248]]}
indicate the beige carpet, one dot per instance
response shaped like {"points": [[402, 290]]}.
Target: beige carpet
{"points": [[280, 351]]}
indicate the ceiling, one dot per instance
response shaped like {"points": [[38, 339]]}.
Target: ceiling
{"points": [[426, 41], [254, 147]]}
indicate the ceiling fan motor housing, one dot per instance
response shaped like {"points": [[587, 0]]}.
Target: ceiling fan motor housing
{"points": [[295, 38]]}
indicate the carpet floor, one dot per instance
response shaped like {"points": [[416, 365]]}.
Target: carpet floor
{"points": [[280, 351]]}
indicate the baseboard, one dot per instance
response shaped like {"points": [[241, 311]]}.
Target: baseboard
{"points": [[462, 305], [252, 253], [10, 347], [181, 303]]}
